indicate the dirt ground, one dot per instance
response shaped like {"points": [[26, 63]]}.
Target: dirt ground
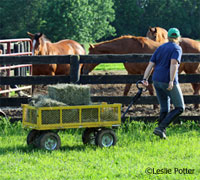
{"points": [[117, 90], [138, 110]]}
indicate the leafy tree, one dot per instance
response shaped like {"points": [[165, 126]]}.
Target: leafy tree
{"points": [[17, 17], [129, 15], [135, 16], [92, 20], [81, 20]]}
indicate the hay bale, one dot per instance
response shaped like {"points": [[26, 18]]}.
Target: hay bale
{"points": [[70, 94]]}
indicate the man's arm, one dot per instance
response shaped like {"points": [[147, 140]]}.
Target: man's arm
{"points": [[173, 70], [147, 73]]}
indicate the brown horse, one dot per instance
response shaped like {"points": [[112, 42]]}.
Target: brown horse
{"points": [[188, 46], [124, 45], [157, 34], [43, 46]]}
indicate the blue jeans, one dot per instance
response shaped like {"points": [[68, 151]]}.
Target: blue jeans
{"points": [[165, 97]]}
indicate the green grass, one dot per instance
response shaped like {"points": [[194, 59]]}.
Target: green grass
{"points": [[110, 66], [137, 149], [105, 66]]}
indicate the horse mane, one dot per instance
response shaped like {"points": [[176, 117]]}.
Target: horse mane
{"points": [[44, 38]]}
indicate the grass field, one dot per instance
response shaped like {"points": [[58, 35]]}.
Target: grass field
{"points": [[137, 155], [110, 66]]}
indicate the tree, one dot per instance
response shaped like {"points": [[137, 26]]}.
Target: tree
{"points": [[17, 17], [80, 20], [135, 16], [129, 15]]}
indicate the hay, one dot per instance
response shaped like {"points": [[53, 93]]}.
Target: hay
{"points": [[37, 98], [48, 102], [45, 101], [64, 95], [109, 115], [90, 115], [70, 94]]}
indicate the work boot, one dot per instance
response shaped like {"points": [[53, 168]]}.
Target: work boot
{"points": [[160, 132]]}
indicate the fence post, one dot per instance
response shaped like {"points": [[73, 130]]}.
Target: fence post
{"points": [[74, 69]]}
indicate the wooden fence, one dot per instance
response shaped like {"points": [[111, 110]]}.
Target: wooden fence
{"points": [[75, 77]]}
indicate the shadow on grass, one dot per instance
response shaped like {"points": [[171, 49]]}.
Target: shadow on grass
{"points": [[31, 149], [183, 128], [77, 148], [17, 149]]}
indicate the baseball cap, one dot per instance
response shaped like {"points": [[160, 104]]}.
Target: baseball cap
{"points": [[173, 33]]}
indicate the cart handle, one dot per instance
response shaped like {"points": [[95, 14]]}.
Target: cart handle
{"points": [[140, 86]]}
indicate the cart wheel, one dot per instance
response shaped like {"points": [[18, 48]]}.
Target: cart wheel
{"points": [[49, 141], [89, 136], [32, 136], [3, 115], [106, 138]]}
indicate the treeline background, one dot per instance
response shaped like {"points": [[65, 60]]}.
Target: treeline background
{"points": [[96, 20]]}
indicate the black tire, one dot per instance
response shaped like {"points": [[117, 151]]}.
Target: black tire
{"points": [[106, 138], [49, 141], [32, 137], [3, 115], [89, 136]]}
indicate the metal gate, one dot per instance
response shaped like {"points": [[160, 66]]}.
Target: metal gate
{"points": [[15, 47]]}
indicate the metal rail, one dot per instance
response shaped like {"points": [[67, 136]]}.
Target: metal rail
{"points": [[8, 68]]}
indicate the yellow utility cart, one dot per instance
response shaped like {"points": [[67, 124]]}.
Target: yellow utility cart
{"points": [[97, 120]]}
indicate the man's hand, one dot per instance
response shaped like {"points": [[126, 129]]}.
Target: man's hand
{"points": [[170, 86], [145, 83]]}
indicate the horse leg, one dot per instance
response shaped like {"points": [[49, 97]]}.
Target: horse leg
{"points": [[127, 89], [193, 69], [151, 92], [33, 87], [196, 88]]}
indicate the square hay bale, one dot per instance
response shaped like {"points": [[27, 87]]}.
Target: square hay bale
{"points": [[70, 94]]}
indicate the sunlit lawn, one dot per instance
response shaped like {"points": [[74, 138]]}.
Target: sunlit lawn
{"points": [[138, 154]]}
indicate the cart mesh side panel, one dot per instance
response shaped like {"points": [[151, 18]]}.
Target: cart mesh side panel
{"points": [[31, 116], [70, 115], [90, 115], [50, 116], [109, 114]]}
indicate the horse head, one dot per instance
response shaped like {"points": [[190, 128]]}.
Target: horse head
{"points": [[157, 34], [37, 40], [87, 68], [152, 33]]}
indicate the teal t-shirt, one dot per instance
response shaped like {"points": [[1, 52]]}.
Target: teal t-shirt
{"points": [[162, 59]]}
